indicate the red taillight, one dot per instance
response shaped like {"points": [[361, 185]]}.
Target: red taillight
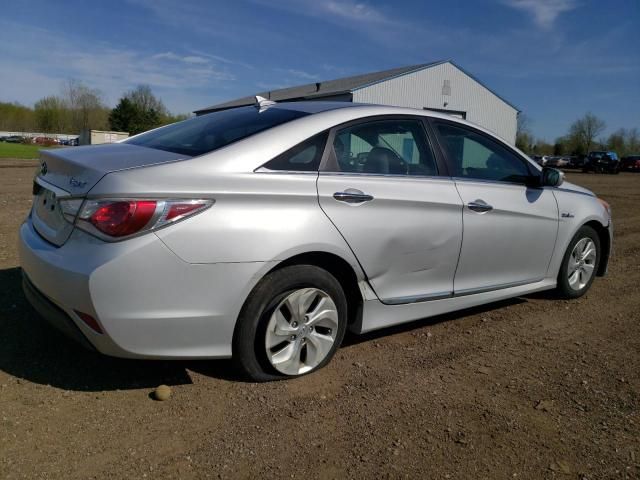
{"points": [[118, 218], [122, 218], [181, 209]]}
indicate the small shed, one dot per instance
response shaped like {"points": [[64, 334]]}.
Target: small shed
{"points": [[97, 137]]}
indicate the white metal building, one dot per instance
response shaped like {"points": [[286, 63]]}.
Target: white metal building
{"points": [[442, 86]]}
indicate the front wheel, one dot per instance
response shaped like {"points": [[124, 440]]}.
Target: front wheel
{"points": [[292, 324], [580, 263]]}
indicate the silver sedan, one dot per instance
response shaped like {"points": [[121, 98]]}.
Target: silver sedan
{"points": [[263, 232]]}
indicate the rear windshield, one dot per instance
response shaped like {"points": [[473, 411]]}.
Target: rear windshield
{"points": [[207, 133]]}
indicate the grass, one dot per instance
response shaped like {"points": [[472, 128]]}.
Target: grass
{"points": [[19, 150]]}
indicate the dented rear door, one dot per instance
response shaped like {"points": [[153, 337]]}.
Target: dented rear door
{"points": [[406, 231]]}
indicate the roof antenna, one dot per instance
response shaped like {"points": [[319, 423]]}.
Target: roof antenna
{"points": [[318, 86], [262, 103]]}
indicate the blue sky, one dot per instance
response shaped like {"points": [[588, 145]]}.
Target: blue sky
{"points": [[554, 59]]}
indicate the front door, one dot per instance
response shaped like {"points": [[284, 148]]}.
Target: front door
{"points": [[381, 188], [509, 228]]}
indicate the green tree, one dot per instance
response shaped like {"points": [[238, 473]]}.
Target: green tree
{"points": [[561, 146], [122, 117], [542, 148], [139, 110], [50, 113], [15, 117], [169, 118]]}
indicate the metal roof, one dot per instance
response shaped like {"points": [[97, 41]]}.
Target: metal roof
{"points": [[335, 87]]}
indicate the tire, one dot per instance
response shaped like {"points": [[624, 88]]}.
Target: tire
{"points": [[574, 282], [263, 321]]}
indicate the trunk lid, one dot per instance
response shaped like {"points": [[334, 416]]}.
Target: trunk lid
{"points": [[78, 169], [74, 171]]}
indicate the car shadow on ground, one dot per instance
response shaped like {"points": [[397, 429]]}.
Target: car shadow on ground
{"points": [[32, 350]]}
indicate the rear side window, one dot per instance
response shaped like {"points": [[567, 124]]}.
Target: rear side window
{"points": [[210, 132], [304, 157]]}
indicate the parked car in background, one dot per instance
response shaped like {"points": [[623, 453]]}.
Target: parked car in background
{"points": [[263, 232], [575, 161], [630, 163], [602, 162], [13, 139], [556, 162], [47, 141]]}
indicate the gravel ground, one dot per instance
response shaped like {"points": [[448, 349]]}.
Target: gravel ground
{"points": [[529, 388]]}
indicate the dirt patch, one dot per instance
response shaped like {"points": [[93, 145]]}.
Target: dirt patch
{"points": [[529, 388]]}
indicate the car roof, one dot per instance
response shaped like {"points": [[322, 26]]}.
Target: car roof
{"points": [[321, 116], [366, 110]]}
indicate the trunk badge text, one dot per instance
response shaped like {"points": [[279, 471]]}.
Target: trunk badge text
{"points": [[43, 168]]}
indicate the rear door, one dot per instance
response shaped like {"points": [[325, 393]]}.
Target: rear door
{"points": [[509, 227], [381, 186]]}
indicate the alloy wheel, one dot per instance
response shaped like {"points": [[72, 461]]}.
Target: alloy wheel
{"points": [[581, 263], [301, 331]]}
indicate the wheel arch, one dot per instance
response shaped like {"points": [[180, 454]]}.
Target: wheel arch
{"points": [[605, 245], [341, 269]]}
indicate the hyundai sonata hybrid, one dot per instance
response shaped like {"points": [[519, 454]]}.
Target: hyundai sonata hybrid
{"points": [[263, 232]]}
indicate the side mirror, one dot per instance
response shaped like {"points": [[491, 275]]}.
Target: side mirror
{"points": [[552, 177]]}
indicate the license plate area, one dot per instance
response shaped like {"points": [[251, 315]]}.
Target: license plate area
{"points": [[47, 216]]}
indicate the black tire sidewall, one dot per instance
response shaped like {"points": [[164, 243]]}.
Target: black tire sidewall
{"points": [[249, 352], [563, 287]]}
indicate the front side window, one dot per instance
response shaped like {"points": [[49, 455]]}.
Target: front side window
{"points": [[477, 156], [389, 147]]}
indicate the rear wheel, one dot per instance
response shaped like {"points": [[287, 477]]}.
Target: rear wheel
{"points": [[292, 324], [579, 264]]}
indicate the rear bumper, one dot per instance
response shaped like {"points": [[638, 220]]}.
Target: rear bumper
{"points": [[53, 314], [148, 302]]}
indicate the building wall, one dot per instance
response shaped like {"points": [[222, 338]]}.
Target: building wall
{"points": [[424, 89]]}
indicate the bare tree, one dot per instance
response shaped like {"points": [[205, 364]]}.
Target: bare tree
{"points": [[632, 141], [585, 130], [86, 109], [144, 100], [524, 138]]}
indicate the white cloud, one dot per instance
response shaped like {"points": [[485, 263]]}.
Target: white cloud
{"points": [[545, 12], [358, 12], [193, 59], [300, 74], [344, 12], [111, 70]]}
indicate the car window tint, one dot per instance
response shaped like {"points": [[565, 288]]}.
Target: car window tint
{"points": [[304, 157], [390, 147], [206, 133], [477, 156]]}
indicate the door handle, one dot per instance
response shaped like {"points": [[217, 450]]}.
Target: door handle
{"points": [[352, 195], [479, 206]]}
